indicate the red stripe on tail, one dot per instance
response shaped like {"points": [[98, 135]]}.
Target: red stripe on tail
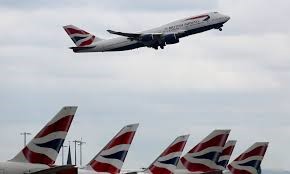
{"points": [[75, 31], [195, 167], [104, 167], [125, 138], [62, 124], [34, 157], [258, 151], [218, 140]]}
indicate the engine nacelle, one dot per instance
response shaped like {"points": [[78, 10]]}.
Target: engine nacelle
{"points": [[147, 38], [170, 39]]}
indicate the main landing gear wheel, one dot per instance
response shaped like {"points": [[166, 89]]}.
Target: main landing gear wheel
{"points": [[220, 29]]}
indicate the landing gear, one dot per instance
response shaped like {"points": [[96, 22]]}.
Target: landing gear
{"points": [[220, 29]]}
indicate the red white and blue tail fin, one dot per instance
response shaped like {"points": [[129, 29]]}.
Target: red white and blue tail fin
{"points": [[45, 146], [80, 37], [226, 154], [111, 158], [167, 161], [204, 156], [250, 161]]}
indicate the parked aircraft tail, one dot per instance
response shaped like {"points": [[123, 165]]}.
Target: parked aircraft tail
{"points": [[203, 157], [80, 37], [249, 162], [167, 161], [226, 154], [111, 158], [45, 146]]}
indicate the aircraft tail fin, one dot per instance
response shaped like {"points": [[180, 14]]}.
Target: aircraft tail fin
{"points": [[250, 161], [226, 154], [203, 157], [80, 37], [45, 146], [167, 161], [111, 158]]}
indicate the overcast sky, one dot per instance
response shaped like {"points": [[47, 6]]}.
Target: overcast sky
{"points": [[236, 79]]}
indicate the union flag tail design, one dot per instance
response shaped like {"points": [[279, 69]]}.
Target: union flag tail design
{"points": [[80, 37], [45, 146], [249, 162], [167, 161], [112, 156], [226, 154], [204, 156]]}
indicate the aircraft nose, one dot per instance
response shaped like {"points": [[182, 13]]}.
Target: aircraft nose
{"points": [[227, 17]]}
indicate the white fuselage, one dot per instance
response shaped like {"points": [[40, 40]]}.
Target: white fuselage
{"points": [[20, 168], [186, 26]]}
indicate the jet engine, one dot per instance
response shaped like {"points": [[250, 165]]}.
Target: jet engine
{"points": [[146, 38], [170, 39]]}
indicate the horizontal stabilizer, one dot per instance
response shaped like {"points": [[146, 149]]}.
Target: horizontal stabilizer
{"points": [[76, 49]]}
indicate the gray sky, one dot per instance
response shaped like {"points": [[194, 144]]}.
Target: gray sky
{"points": [[237, 79]]}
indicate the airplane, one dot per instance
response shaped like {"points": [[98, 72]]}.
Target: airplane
{"points": [[166, 162], [226, 154], [111, 158], [250, 161], [203, 157], [154, 38], [39, 155]]}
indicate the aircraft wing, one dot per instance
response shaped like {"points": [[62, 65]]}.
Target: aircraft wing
{"points": [[149, 39], [65, 169], [131, 35]]}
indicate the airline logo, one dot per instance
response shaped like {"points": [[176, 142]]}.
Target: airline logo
{"points": [[204, 156], [167, 161], [45, 146], [249, 162], [198, 17], [226, 154], [80, 37], [112, 156]]}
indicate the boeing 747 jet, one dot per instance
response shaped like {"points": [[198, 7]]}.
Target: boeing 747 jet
{"points": [[154, 38]]}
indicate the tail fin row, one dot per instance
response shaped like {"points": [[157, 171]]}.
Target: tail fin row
{"points": [[167, 161], [45, 146], [210, 155], [80, 37], [112, 156]]}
